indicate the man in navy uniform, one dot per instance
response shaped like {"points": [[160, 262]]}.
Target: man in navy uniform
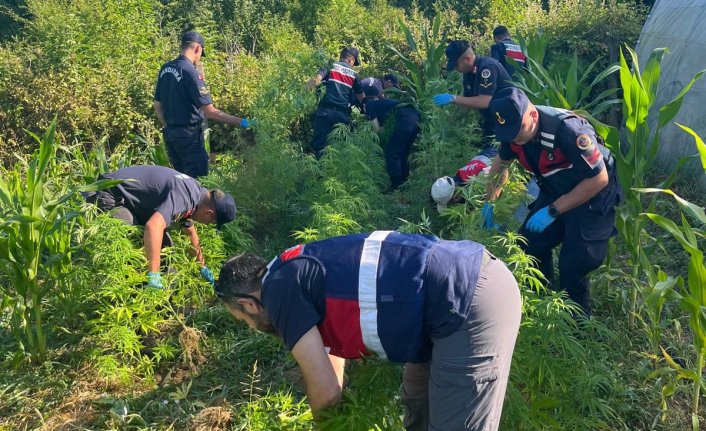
{"points": [[448, 309], [157, 197], [482, 78], [505, 47], [342, 84], [390, 80], [181, 101], [577, 182], [405, 128]]}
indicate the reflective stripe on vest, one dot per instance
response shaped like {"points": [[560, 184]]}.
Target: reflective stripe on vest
{"points": [[367, 292]]}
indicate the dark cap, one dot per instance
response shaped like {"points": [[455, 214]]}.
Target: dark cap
{"points": [[225, 207], [372, 87], [392, 78], [349, 50], [500, 30], [454, 51], [507, 107], [192, 36]]}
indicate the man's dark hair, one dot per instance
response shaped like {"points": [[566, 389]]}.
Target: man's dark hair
{"points": [[500, 30], [188, 44], [240, 275]]}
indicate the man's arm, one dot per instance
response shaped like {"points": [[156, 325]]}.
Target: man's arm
{"points": [[154, 231], [497, 177], [323, 375], [582, 193], [474, 102], [195, 249], [160, 113], [214, 114]]}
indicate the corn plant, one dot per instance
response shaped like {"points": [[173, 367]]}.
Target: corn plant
{"points": [[635, 156], [563, 87], [430, 50], [693, 298], [35, 241]]}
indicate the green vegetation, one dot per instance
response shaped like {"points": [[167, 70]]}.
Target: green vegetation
{"points": [[86, 346]]}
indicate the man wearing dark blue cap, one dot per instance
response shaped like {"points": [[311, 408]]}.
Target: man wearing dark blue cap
{"points": [[156, 197], [181, 101], [342, 83], [505, 47], [577, 182], [405, 128], [482, 78], [390, 80]]}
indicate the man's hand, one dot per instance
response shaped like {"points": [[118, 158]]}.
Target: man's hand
{"points": [[154, 280], [488, 216], [540, 220], [207, 275], [444, 99]]}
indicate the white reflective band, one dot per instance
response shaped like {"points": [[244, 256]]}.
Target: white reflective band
{"points": [[367, 292], [557, 170], [547, 143], [548, 135]]}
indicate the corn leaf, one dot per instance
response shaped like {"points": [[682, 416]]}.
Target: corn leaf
{"points": [[699, 145]]}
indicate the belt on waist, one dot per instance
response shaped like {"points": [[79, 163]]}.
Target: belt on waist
{"points": [[339, 108]]}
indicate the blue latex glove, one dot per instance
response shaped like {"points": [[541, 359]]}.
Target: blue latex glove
{"points": [[540, 220], [245, 123], [207, 275], [154, 280], [488, 214], [444, 99]]}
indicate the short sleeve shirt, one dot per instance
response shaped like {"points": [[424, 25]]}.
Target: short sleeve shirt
{"points": [[159, 189], [487, 78], [576, 156], [293, 296], [381, 109], [342, 83], [182, 92]]}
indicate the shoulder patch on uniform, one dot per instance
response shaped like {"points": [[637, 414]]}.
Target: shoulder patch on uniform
{"points": [[485, 73], [584, 142], [203, 90]]}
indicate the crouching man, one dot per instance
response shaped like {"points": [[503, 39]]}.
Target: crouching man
{"points": [[448, 309], [156, 197]]}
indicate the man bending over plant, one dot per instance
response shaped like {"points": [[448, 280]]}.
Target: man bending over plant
{"points": [[448, 309], [155, 197], [578, 188]]}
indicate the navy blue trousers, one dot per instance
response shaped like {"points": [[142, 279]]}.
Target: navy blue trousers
{"points": [[186, 150], [583, 233], [397, 152], [325, 119]]}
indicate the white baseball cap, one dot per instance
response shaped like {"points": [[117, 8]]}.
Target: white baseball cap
{"points": [[442, 191]]}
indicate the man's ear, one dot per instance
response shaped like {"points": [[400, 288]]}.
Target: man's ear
{"points": [[249, 305]]}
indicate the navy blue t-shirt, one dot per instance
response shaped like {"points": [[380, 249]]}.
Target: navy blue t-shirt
{"points": [[380, 109], [487, 78], [158, 189], [182, 92], [294, 298]]}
